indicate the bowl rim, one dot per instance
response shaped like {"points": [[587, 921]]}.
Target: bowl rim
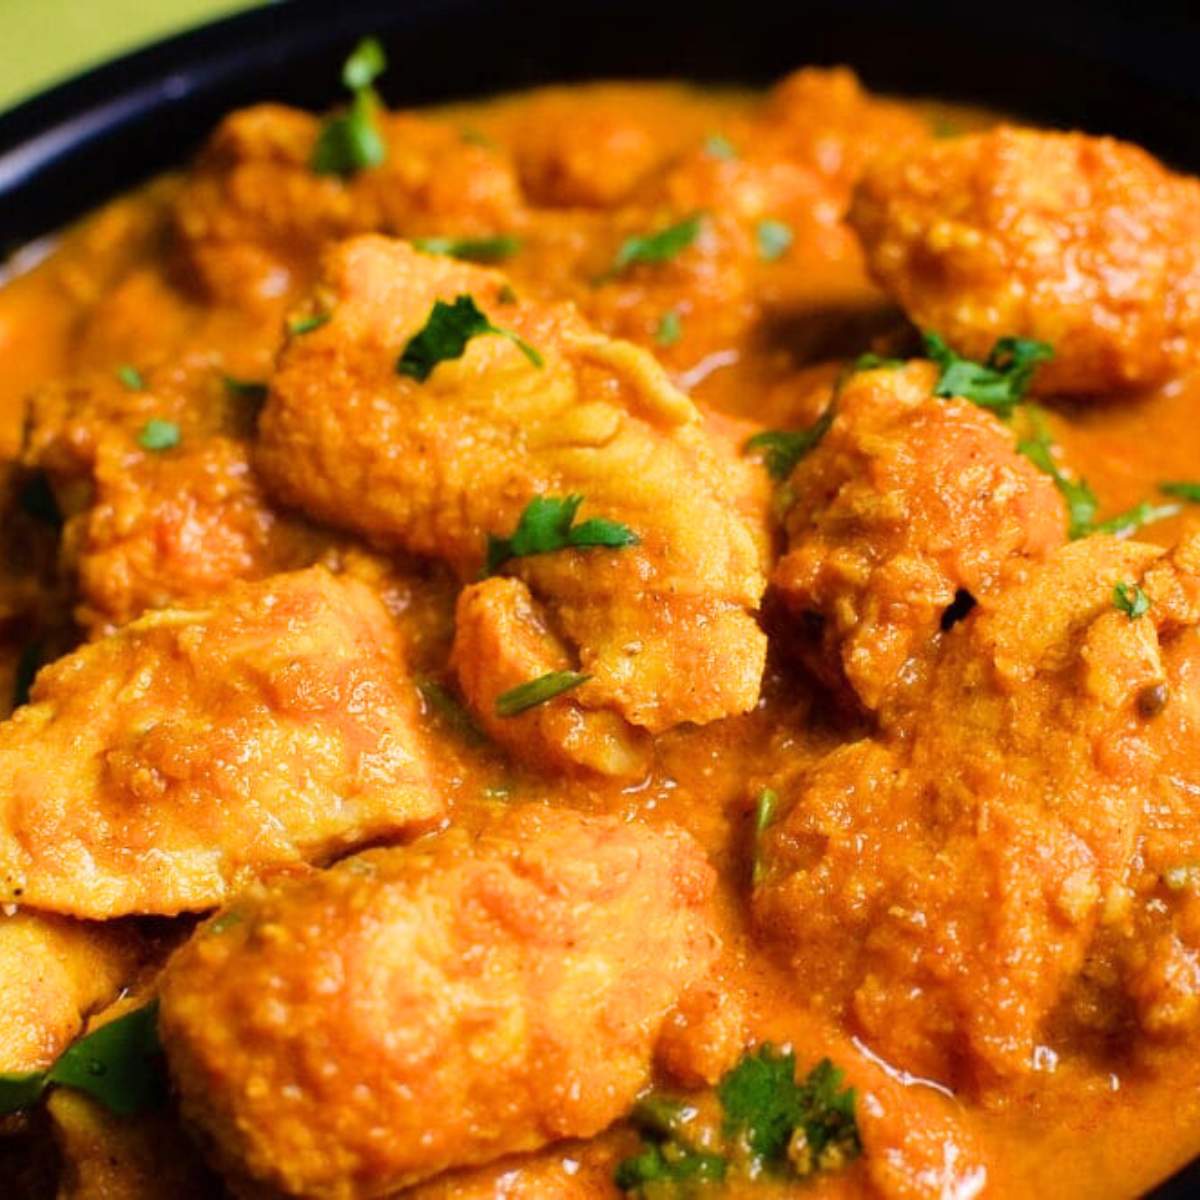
{"points": [[83, 109]]}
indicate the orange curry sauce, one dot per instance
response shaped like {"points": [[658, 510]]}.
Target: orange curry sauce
{"points": [[195, 276]]}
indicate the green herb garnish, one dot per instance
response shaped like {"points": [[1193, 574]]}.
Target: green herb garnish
{"points": [[1081, 501], [547, 524], [717, 145], [783, 449], [302, 325], [786, 1127], [537, 691], [670, 327], [349, 141], [446, 334], [441, 702], [657, 247], [131, 377], [1133, 518], [874, 362], [773, 238], [117, 1064], [1131, 600], [158, 435], [999, 384], [1182, 491], [245, 389], [480, 249], [667, 1155], [764, 814]]}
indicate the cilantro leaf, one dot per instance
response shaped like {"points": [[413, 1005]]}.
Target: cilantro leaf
{"points": [[158, 435], [667, 1155], [245, 389], [439, 701], [668, 1162], [783, 449], [874, 362], [366, 63], [131, 377], [657, 247], [1038, 447], [1143, 513], [670, 328], [1131, 600], [547, 524], [1182, 491], [784, 1126], [117, 1064], [999, 384], [480, 249], [717, 145], [302, 325], [773, 238], [537, 691], [446, 334], [350, 141], [764, 814]]}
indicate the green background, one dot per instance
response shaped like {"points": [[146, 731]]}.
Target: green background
{"points": [[44, 41]]}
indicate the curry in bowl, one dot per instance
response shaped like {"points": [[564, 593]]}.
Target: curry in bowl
{"points": [[622, 640]]}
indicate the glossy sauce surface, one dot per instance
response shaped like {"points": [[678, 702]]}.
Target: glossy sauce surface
{"points": [[763, 338]]}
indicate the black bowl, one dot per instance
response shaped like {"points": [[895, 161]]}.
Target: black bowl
{"points": [[1121, 68]]}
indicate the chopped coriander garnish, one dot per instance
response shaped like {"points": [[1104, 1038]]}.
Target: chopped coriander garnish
{"points": [[366, 63], [116, 1064], [764, 814], [773, 238], [717, 145], [27, 669], [1039, 449], [506, 294], [783, 449], [475, 137], [771, 1126], [445, 706], [668, 1154], [1182, 491], [245, 389], [657, 247], [547, 524], [158, 435], [874, 362], [786, 1127], [537, 691], [349, 141], [670, 327], [479, 249], [131, 377], [999, 384], [666, 1163], [1131, 600], [302, 325], [1133, 518], [231, 918], [445, 335]]}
